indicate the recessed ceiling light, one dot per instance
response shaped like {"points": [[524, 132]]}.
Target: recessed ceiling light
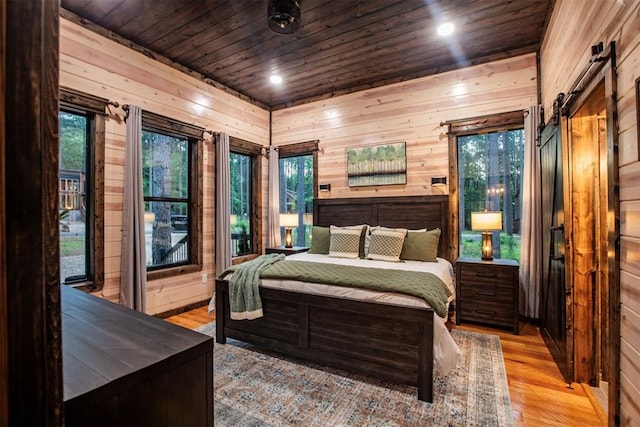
{"points": [[445, 29], [275, 79]]}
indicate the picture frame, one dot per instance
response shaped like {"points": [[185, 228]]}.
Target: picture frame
{"points": [[382, 164]]}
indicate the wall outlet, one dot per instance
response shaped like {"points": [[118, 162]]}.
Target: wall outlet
{"points": [[204, 278]]}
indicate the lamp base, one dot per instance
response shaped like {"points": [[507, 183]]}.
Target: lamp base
{"points": [[288, 238], [487, 248]]}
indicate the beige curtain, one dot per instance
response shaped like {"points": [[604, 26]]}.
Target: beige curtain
{"points": [[531, 249], [274, 198], [133, 279], [223, 202]]}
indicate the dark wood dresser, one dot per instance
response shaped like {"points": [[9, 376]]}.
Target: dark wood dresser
{"points": [[487, 292], [125, 368]]}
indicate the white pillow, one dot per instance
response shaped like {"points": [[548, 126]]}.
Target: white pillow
{"points": [[386, 244], [344, 242]]}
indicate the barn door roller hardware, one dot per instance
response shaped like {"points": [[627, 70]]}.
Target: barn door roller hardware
{"points": [[599, 56]]}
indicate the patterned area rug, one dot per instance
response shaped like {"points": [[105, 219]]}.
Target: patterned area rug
{"points": [[254, 387]]}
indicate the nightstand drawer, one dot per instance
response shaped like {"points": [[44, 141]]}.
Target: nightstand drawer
{"points": [[495, 276], [490, 314], [494, 294]]}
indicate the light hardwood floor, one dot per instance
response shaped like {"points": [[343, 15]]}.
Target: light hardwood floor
{"points": [[539, 395]]}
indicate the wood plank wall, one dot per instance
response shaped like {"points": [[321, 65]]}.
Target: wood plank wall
{"points": [[565, 51], [93, 64], [410, 111]]}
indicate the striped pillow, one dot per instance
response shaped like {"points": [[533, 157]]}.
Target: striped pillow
{"points": [[344, 242], [386, 244]]}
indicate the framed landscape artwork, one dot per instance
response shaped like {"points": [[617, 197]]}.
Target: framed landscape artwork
{"points": [[384, 164]]}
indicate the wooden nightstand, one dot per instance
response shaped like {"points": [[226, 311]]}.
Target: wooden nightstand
{"points": [[487, 292], [286, 251]]}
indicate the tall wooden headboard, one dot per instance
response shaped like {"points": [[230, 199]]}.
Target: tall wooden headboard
{"points": [[411, 212]]}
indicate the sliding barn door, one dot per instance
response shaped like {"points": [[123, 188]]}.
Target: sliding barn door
{"points": [[555, 293]]}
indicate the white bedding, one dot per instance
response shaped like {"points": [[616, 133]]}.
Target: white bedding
{"points": [[445, 350]]}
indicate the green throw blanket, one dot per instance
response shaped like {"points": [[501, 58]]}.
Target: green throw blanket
{"points": [[424, 285], [244, 296]]}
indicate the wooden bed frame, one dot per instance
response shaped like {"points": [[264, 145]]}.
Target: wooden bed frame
{"points": [[391, 342]]}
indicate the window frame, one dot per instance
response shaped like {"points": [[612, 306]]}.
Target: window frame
{"points": [[302, 149], [255, 153], [94, 108], [156, 123], [463, 127]]}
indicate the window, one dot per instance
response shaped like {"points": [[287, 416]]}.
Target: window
{"points": [[489, 162], [172, 195], [244, 163], [81, 177], [297, 186]]}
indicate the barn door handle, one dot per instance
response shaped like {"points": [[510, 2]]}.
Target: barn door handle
{"points": [[553, 255]]}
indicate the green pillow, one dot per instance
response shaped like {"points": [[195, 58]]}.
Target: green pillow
{"points": [[421, 246], [320, 238]]}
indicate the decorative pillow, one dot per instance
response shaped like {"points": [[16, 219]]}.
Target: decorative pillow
{"points": [[320, 237], [378, 227], [421, 246], [344, 242], [386, 244]]}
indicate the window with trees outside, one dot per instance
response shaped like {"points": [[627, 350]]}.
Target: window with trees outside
{"points": [[298, 174], [172, 195], [489, 171], [244, 175], [81, 206], [296, 195]]}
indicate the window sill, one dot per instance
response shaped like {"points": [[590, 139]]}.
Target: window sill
{"points": [[173, 271], [243, 258], [85, 286]]}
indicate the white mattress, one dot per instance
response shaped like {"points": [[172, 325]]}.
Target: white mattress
{"points": [[445, 350]]}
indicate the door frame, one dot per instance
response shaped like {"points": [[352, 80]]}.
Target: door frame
{"points": [[604, 71], [30, 331]]}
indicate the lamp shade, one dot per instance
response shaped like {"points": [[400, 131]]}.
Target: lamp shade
{"points": [[233, 219], [289, 220], [486, 221]]}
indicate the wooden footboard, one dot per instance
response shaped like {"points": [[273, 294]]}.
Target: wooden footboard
{"points": [[391, 342]]}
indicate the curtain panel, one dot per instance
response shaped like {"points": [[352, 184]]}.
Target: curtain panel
{"points": [[223, 204], [274, 198], [133, 277], [531, 250]]}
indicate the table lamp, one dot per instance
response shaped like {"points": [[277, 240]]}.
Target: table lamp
{"points": [[287, 221], [487, 222]]}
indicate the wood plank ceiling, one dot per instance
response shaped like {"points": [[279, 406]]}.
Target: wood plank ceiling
{"points": [[341, 47]]}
